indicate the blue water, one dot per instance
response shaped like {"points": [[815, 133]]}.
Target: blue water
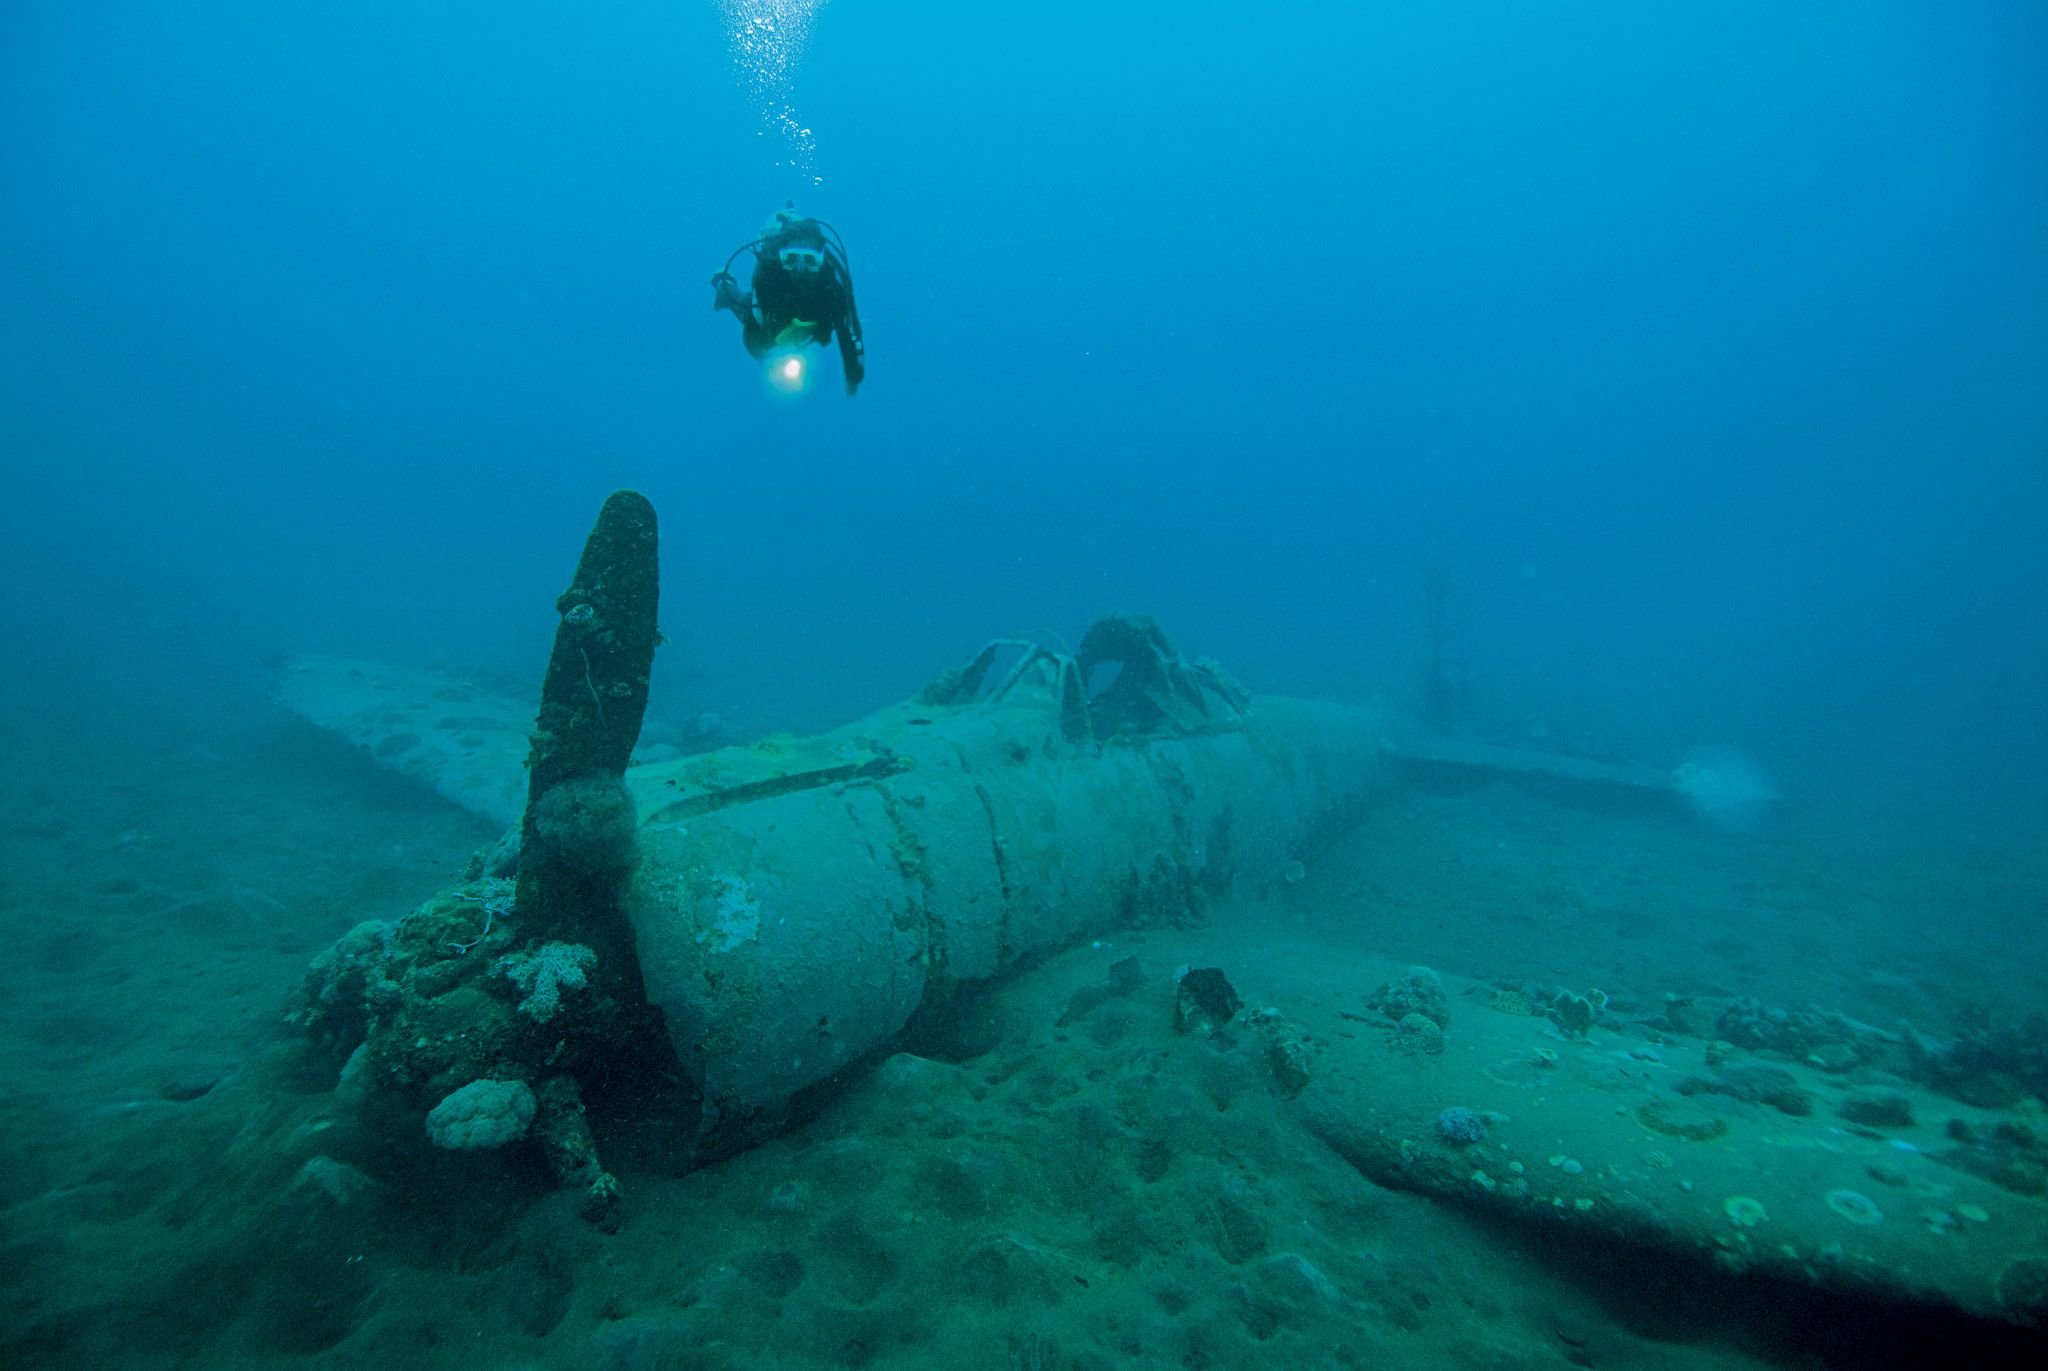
{"points": [[1697, 354], [1705, 348]]}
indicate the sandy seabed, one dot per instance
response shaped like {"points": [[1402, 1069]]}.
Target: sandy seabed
{"points": [[1050, 1189]]}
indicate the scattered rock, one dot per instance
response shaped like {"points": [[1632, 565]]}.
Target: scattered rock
{"points": [[1816, 1036], [1834, 1058], [1682, 1016], [1681, 1119], [1575, 1014], [1419, 1035], [2008, 1155], [1461, 1127], [1888, 1109], [1770, 1085], [1287, 1050], [1989, 1065], [1418, 992], [1510, 1000], [1206, 1001]]}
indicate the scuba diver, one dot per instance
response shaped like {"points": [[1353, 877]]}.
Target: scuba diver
{"points": [[803, 293]]}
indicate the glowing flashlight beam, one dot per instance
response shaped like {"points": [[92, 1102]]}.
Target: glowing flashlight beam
{"points": [[787, 372]]}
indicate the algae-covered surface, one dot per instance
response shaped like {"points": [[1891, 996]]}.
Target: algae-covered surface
{"points": [[1056, 1176]]}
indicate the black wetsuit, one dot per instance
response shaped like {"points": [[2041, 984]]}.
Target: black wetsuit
{"points": [[823, 299]]}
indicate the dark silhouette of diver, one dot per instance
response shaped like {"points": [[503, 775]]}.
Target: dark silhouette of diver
{"points": [[803, 291]]}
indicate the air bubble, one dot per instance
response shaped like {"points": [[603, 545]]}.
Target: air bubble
{"points": [[768, 39]]}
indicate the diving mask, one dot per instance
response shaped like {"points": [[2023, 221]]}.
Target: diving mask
{"points": [[801, 260]]}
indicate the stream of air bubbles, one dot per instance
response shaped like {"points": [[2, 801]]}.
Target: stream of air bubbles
{"points": [[768, 38]]}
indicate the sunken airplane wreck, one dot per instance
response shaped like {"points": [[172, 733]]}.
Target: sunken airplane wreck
{"points": [[711, 945], [766, 918]]}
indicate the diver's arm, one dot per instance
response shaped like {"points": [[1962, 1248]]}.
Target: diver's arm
{"points": [[727, 295]]}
